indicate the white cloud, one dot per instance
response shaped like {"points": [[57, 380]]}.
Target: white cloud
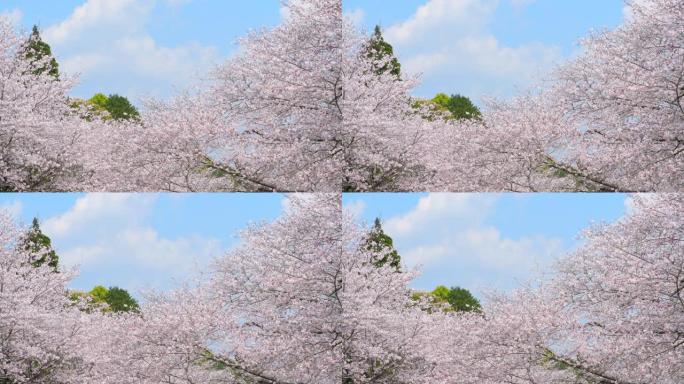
{"points": [[449, 237], [177, 3], [96, 18], [627, 10], [355, 208], [447, 16], [14, 208], [82, 255], [14, 16], [110, 235], [108, 44], [449, 43], [356, 16], [521, 3], [149, 249], [439, 209], [100, 212]]}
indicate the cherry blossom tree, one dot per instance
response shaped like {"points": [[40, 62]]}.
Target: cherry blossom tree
{"points": [[300, 301], [43, 335], [36, 133], [627, 92], [610, 120], [517, 145], [301, 108], [612, 313], [44, 143]]}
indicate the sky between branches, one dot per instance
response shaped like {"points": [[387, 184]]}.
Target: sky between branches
{"points": [[140, 241], [473, 47]]}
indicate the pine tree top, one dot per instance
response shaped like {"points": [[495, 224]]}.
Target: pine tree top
{"points": [[379, 242], [38, 50], [379, 49], [38, 243]]}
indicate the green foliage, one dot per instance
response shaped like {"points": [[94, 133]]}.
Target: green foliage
{"points": [[441, 100], [379, 242], [120, 108], [460, 107], [112, 107], [378, 49], [99, 100], [120, 300], [99, 294], [36, 242], [38, 50], [441, 293], [113, 299], [461, 300], [454, 299]]}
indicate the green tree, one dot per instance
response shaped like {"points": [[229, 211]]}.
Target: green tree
{"points": [[441, 293], [99, 294], [459, 299], [110, 107], [113, 299], [36, 242], [99, 101], [459, 106], [37, 50], [120, 108], [379, 242], [441, 100], [378, 49], [119, 300]]}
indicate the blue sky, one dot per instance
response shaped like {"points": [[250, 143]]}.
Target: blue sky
{"points": [[482, 241], [151, 47], [140, 241]]}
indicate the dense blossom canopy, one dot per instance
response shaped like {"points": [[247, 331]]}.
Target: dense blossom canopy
{"points": [[45, 337], [303, 106], [611, 120], [302, 299], [301, 109], [612, 313]]}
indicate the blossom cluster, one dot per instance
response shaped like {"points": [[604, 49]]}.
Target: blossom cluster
{"points": [[304, 107], [301, 300]]}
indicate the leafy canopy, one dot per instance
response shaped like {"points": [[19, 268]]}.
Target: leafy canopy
{"points": [[380, 243], [112, 107], [380, 50], [459, 299], [38, 51], [113, 299], [120, 108], [460, 107], [36, 242]]}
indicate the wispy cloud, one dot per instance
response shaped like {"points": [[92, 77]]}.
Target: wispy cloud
{"points": [[356, 16], [109, 41], [13, 15], [449, 236], [451, 44], [111, 235], [14, 208]]}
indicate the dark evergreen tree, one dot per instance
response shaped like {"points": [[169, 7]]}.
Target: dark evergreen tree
{"points": [[120, 108], [459, 299], [38, 51], [379, 242], [39, 244], [460, 107], [377, 48], [119, 300]]}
